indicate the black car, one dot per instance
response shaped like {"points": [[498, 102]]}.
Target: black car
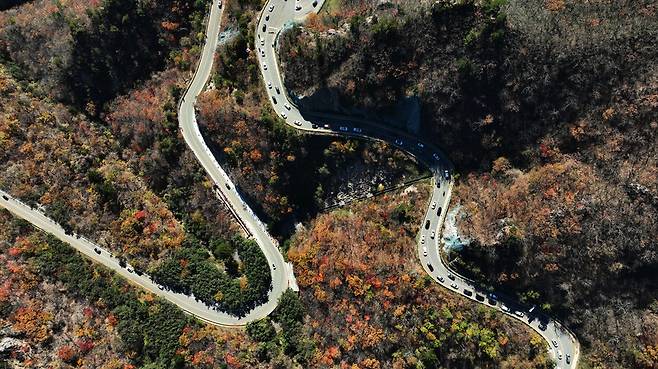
{"points": [[430, 267], [315, 126], [427, 224], [228, 187], [468, 292], [264, 27], [438, 212], [274, 99], [277, 90], [5, 197], [96, 250]]}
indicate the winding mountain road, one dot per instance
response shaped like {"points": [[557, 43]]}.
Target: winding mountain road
{"points": [[279, 14], [563, 346]]}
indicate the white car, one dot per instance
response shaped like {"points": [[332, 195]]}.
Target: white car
{"points": [[284, 116], [424, 251], [504, 308], [554, 342], [433, 234], [519, 314], [219, 5], [422, 239], [559, 355], [269, 85], [421, 145], [434, 205], [262, 42], [286, 106], [298, 123], [265, 66], [262, 53], [441, 279], [271, 8]]}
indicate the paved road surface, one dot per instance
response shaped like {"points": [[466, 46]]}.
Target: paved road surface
{"points": [[270, 24], [276, 16]]}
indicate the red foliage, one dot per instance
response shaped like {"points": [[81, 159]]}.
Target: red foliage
{"points": [[66, 354], [85, 345]]}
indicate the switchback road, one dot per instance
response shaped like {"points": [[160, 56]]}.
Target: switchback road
{"points": [[277, 14]]}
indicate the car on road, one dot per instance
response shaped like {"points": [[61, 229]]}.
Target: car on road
{"points": [[262, 53], [492, 296], [343, 128], [271, 8], [326, 126], [542, 326], [438, 184], [357, 130], [298, 7], [422, 239], [267, 17], [219, 4], [438, 212], [441, 279], [468, 292], [264, 27], [446, 174], [451, 276], [420, 145], [277, 90], [427, 224], [424, 251], [430, 267], [479, 297], [228, 187], [129, 270], [554, 342], [434, 205], [568, 359], [298, 123], [262, 42], [269, 85], [559, 355], [283, 115], [504, 308], [274, 100], [398, 142], [433, 234], [96, 250], [273, 267], [454, 285], [519, 314], [286, 106], [314, 126]]}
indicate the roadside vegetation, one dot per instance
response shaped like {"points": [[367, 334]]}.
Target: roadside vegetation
{"points": [[548, 108], [123, 177], [285, 175]]}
